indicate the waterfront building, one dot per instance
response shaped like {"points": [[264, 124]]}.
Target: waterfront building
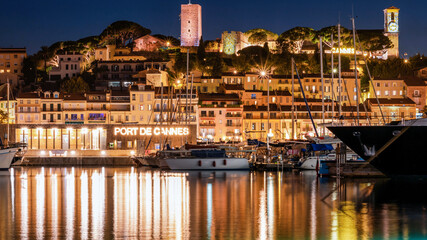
{"points": [[51, 107], [191, 24], [11, 63], [416, 91], [220, 117], [387, 88], [66, 65], [119, 75], [53, 123], [393, 109], [3, 103]]}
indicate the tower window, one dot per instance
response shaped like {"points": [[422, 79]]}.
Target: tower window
{"points": [[188, 21], [392, 16], [188, 30]]}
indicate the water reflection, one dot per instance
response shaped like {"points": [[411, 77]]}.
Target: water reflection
{"points": [[103, 203]]}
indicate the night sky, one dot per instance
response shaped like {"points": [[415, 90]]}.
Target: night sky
{"points": [[32, 24]]}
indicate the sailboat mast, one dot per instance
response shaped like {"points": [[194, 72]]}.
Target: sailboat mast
{"points": [[355, 71], [161, 112], [323, 92], [332, 78], [8, 112], [293, 105], [339, 70], [186, 93]]}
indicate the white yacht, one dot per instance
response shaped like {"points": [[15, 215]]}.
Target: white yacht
{"points": [[6, 157], [203, 159]]}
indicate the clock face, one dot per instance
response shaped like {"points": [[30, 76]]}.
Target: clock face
{"points": [[392, 27]]}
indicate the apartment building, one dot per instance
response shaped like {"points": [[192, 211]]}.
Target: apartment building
{"points": [[11, 63]]}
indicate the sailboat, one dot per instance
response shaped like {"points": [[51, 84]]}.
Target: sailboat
{"points": [[7, 151]]}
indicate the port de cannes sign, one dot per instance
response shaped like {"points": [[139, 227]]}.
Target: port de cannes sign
{"points": [[148, 131]]}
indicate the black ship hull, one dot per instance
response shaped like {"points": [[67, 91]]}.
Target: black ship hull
{"points": [[392, 149]]}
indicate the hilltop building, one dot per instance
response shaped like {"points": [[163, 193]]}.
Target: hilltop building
{"points": [[191, 24]]}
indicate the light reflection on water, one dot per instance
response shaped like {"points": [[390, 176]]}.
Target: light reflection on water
{"points": [[105, 203]]}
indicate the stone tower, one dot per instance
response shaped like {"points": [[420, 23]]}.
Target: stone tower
{"points": [[191, 24], [391, 29]]}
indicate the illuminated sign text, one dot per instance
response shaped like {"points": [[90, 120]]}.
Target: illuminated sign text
{"points": [[148, 131]]}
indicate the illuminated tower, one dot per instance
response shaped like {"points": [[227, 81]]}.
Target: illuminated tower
{"points": [[191, 24], [391, 29]]}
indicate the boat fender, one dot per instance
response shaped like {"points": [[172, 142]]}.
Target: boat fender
{"points": [[214, 164], [225, 162], [200, 163]]}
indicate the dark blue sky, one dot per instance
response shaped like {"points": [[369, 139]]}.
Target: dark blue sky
{"points": [[32, 24]]}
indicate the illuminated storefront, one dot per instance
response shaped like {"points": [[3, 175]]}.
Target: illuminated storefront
{"points": [[62, 138], [101, 137]]}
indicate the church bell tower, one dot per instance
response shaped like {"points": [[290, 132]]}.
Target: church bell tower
{"points": [[391, 29]]}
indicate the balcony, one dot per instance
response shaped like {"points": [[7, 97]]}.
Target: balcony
{"points": [[28, 111], [416, 95], [233, 124], [230, 115], [207, 124]]}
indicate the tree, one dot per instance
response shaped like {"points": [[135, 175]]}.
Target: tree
{"points": [[259, 32], [372, 40], [256, 55], [3, 117], [293, 39], [74, 85], [241, 63], [258, 38], [124, 32]]}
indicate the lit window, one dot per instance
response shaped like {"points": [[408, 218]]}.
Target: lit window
{"points": [[386, 93], [378, 93], [394, 92]]}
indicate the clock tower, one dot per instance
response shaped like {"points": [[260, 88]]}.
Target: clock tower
{"points": [[391, 29]]}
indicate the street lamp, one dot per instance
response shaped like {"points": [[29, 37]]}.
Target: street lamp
{"points": [[263, 74]]}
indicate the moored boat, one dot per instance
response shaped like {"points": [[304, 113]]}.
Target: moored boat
{"points": [[203, 159], [394, 149]]}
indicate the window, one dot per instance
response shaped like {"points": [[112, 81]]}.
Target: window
{"points": [[400, 92], [133, 97], [394, 92], [44, 116], [253, 126], [386, 92], [378, 93], [141, 107], [59, 117], [66, 66], [141, 97], [148, 98], [262, 126], [416, 93], [129, 144], [253, 96]]}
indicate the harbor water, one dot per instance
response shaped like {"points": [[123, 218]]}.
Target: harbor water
{"points": [[139, 203]]}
